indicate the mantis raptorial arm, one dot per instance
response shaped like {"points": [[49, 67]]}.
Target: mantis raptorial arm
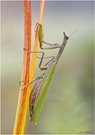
{"points": [[41, 41]]}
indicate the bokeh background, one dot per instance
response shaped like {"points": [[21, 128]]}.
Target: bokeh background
{"points": [[69, 106]]}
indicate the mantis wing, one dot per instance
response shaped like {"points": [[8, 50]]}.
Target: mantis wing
{"points": [[42, 94]]}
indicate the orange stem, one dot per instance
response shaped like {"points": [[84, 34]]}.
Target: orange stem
{"points": [[27, 75], [25, 64]]}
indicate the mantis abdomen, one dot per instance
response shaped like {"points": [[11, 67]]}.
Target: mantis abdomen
{"points": [[37, 96]]}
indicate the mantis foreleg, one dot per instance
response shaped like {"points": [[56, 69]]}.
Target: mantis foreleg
{"points": [[41, 41]]}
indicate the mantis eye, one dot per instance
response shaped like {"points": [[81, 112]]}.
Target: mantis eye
{"points": [[65, 35]]}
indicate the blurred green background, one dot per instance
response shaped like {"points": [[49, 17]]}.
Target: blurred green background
{"points": [[69, 106]]}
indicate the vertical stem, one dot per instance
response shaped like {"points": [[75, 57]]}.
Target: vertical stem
{"points": [[27, 75], [33, 63], [25, 66], [41, 11], [36, 43]]}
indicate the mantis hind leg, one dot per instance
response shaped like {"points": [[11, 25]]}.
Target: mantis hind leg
{"points": [[39, 77], [49, 62], [45, 67], [42, 57]]}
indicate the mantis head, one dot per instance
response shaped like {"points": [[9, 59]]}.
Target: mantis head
{"points": [[65, 35]]}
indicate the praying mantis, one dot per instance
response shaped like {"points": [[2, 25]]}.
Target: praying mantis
{"points": [[40, 89]]}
